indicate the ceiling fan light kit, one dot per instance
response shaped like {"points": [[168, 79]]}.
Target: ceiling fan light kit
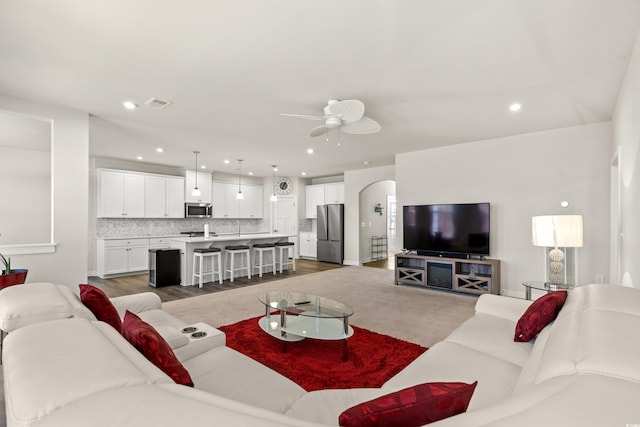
{"points": [[348, 115]]}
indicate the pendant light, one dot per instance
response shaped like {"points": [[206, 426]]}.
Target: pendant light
{"points": [[274, 198], [239, 196], [196, 191]]}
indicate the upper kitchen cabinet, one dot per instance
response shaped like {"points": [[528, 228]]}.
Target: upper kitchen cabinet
{"points": [[164, 196], [322, 194], [334, 193], [315, 197], [251, 205], [120, 194], [226, 205], [204, 185]]}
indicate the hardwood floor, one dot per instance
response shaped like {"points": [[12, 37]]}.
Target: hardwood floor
{"points": [[140, 283], [388, 263]]}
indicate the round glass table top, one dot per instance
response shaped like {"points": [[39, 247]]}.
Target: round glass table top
{"points": [[304, 304], [546, 286]]}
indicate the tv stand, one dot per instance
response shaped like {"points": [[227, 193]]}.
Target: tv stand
{"points": [[474, 276]]}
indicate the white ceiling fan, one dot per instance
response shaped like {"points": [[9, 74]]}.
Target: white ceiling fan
{"points": [[348, 115]]}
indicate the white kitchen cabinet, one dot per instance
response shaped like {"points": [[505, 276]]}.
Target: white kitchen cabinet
{"points": [[314, 197], [164, 196], [120, 194], [121, 256], [334, 193], [225, 204], [308, 245], [204, 185], [159, 243], [251, 205], [219, 202], [232, 204]]}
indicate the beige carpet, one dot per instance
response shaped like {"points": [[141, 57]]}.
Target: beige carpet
{"points": [[413, 314]]}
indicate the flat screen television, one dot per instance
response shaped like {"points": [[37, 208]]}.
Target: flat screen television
{"points": [[452, 229]]}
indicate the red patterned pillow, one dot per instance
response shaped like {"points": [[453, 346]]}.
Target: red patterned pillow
{"points": [[100, 305], [149, 342], [539, 314], [414, 406]]}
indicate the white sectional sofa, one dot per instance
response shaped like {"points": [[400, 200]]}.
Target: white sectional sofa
{"points": [[582, 370]]}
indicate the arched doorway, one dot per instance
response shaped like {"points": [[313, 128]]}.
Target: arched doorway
{"points": [[377, 220]]}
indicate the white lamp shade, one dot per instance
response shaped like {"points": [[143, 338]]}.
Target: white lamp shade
{"points": [[563, 231], [196, 192]]}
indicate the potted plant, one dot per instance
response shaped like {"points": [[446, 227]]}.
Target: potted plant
{"points": [[11, 277]]}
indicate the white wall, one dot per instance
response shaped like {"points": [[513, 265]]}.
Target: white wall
{"points": [[626, 136], [29, 175], [521, 176], [70, 166], [354, 182]]}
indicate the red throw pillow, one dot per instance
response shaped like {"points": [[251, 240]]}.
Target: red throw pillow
{"points": [[149, 342], [539, 314], [100, 305], [414, 406]]}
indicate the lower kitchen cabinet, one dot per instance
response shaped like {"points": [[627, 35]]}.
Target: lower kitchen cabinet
{"points": [[308, 245], [121, 256]]}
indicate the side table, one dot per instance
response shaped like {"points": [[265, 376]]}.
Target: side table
{"points": [[544, 286]]}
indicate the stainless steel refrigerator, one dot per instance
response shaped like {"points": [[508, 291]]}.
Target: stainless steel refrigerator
{"points": [[331, 233]]}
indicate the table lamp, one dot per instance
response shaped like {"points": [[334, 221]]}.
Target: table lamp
{"points": [[556, 231]]}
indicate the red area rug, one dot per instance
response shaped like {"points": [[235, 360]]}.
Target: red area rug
{"points": [[318, 365]]}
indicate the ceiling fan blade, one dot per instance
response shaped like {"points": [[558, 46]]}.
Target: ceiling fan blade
{"points": [[349, 110], [363, 126], [320, 130], [302, 116]]}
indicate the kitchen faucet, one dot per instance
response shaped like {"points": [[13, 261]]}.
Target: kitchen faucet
{"points": [[238, 221]]}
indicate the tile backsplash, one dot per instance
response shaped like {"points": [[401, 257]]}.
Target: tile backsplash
{"points": [[130, 227]]}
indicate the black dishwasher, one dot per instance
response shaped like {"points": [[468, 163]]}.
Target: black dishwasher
{"points": [[164, 267]]}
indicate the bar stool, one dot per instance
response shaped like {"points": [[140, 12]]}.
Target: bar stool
{"points": [[230, 266], [259, 249], [285, 246], [199, 255]]}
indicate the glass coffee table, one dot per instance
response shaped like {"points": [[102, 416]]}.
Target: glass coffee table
{"points": [[303, 315], [543, 286]]}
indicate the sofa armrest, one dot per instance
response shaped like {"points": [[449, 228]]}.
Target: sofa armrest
{"points": [[503, 307], [137, 303]]}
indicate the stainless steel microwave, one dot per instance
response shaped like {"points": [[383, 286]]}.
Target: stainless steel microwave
{"points": [[197, 210]]}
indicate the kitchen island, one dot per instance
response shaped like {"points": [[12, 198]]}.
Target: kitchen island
{"points": [[186, 245]]}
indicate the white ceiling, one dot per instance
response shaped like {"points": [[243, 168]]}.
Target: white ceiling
{"points": [[430, 72]]}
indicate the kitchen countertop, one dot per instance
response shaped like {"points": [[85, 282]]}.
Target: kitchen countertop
{"points": [[232, 237], [158, 236]]}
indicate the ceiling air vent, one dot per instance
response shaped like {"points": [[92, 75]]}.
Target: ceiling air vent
{"points": [[157, 103]]}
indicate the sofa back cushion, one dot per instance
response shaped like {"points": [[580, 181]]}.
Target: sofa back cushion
{"points": [[32, 303], [597, 332]]}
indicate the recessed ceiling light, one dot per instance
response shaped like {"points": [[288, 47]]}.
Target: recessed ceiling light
{"points": [[203, 167], [303, 173], [159, 150], [515, 107], [250, 173], [140, 158], [226, 161], [309, 150], [129, 105], [564, 204], [367, 162]]}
